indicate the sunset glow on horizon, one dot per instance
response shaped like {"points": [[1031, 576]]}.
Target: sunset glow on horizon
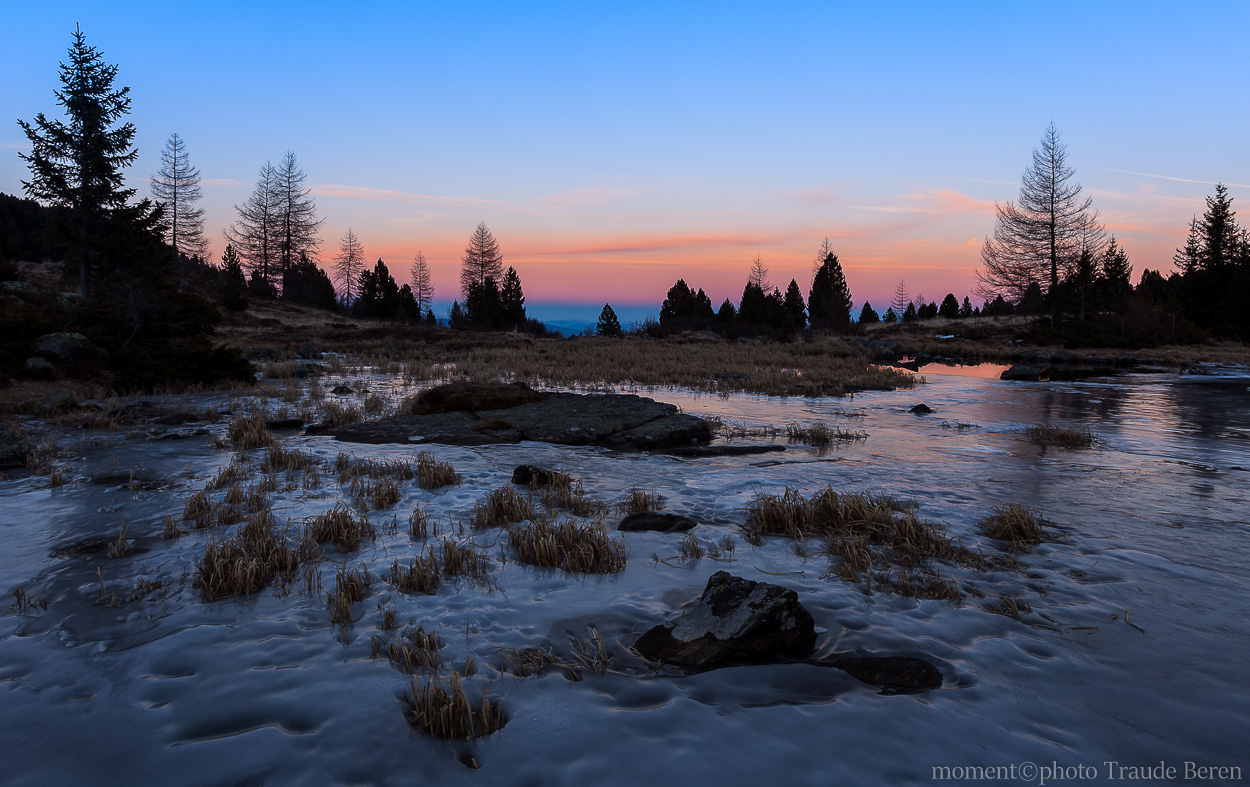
{"points": [[611, 151]]}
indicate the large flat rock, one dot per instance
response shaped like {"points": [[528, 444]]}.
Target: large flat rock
{"points": [[625, 422]]}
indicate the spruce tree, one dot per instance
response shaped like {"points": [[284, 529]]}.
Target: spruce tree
{"points": [[608, 324], [868, 315], [795, 307], [80, 165], [949, 308], [829, 302], [512, 301]]}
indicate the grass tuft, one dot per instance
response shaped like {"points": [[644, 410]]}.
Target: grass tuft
{"points": [[433, 474], [573, 546], [1062, 436], [638, 501], [421, 575], [1017, 525], [342, 527], [502, 506], [250, 431], [445, 711]]}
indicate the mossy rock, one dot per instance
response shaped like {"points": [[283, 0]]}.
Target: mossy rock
{"points": [[474, 397], [14, 448]]}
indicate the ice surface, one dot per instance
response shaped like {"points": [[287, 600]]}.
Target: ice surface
{"points": [[1136, 653]]}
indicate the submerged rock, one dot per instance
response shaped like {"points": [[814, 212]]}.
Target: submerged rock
{"points": [[921, 409], [342, 390], [894, 674], [736, 620], [655, 520]]}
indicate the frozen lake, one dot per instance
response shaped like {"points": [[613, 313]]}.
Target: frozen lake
{"points": [[1133, 652]]}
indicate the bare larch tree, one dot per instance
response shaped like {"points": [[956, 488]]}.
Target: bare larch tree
{"points": [[177, 185], [1041, 236], [422, 286], [481, 260], [349, 264], [759, 274], [297, 215], [256, 233]]}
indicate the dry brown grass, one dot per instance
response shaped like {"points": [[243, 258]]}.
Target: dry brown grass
{"points": [[524, 662], [445, 711], [375, 492], [462, 560], [572, 546], [24, 602], [250, 431], [414, 650], [820, 434], [823, 367], [691, 548], [292, 461], [591, 653], [374, 404], [419, 524], [421, 575], [501, 506], [564, 491], [639, 501], [335, 414], [350, 588], [340, 526], [433, 474], [1062, 436], [233, 473], [245, 563], [350, 467], [1017, 525], [875, 538]]}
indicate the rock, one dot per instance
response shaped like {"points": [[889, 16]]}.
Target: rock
{"points": [[285, 423], [39, 369], [13, 449], [921, 409], [655, 520], [700, 451], [1022, 371], [53, 403], [531, 475], [894, 674], [620, 421], [72, 348], [474, 397], [21, 289], [736, 620], [342, 390]]}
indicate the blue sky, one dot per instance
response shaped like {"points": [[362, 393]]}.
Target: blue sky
{"points": [[614, 147]]}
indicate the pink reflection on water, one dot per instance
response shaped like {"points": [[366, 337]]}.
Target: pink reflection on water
{"points": [[983, 371]]}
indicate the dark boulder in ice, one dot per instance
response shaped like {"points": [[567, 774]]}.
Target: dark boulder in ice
{"points": [[342, 390], [655, 520], [1022, 371], [921, 409], [532, 475], [894, 674], [735, 621]]}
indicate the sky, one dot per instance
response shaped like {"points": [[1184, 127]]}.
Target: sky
{"points": [[614, 147]]}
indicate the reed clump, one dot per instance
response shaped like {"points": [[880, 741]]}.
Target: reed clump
{"points": [[350, 468], [421, 575], [502, 506], [335, 414], [294, 462], [444, 710], [524, 662], [350, 586], [575, 547], [250, 431], [876, 538], [820, 434], [1062, 436], [419, 524], [246, 563], [562, 490], [375, 492], [341, 526], [640, 501], [1017, 525], [433, 474], [462, 560], [414, 650]]}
